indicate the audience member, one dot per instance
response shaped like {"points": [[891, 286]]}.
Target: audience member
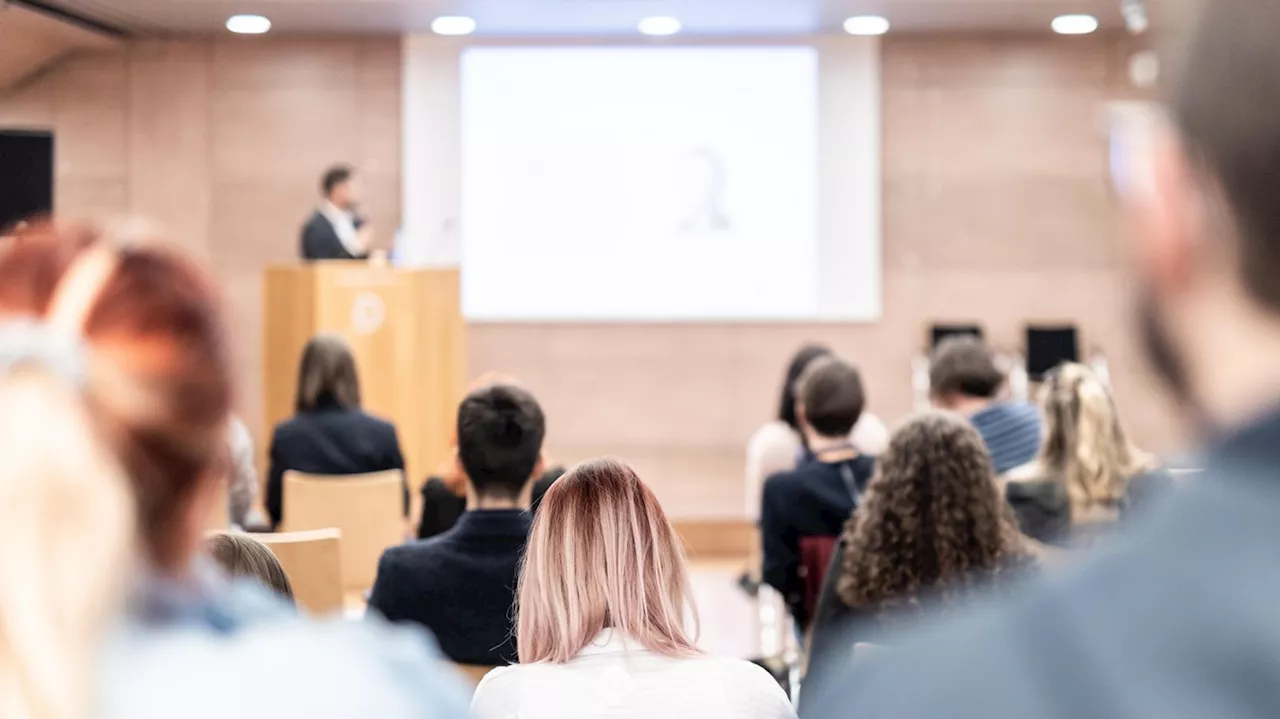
{"points": [[329, 434], [461, 584], [603, 597], [242, 482], [964, 378], [1177, 620], [931, 531], [157, 379], [1087, 473], [243, 557], [334, 231], [67, 529], [803, 510], [444, 494], [779, 445]]}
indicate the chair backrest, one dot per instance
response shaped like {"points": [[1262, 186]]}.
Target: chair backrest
{"points": [[815, 557], [366, 508], [313, 562]]}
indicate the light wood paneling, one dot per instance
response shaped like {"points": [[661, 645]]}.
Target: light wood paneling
{"points": [[34, 40], [169, 139]]}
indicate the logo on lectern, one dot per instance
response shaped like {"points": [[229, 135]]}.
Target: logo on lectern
{"points": [[367, 313]]}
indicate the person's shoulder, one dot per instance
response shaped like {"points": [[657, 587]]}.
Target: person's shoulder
{"points": [[373, 422], [332, 669], [414, 554], [289, 427], [497, 696], [751, 685], [784, 483]]}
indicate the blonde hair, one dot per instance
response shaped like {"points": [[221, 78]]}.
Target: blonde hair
{"points": [[65, 545], [602, 554], [1085, 448]]}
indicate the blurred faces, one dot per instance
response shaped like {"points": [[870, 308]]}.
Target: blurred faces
{"points": [[346, 195]]}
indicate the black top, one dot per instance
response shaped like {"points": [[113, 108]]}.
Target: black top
{"points": [[441, 508], [320, 241], [1174, 618], [1043, 508], [813, 500], [330, 440], [460, 585], [837, 627]]}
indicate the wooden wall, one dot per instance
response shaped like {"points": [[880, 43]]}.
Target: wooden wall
{"points": [[996, 207], [223, 141]]}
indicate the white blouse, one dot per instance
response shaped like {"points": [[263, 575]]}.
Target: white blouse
{"points": [[615, 678]]}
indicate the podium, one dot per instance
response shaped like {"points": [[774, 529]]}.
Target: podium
{"points": [[405, 329]]}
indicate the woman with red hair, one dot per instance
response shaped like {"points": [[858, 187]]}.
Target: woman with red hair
{"points": [[144, 326]]}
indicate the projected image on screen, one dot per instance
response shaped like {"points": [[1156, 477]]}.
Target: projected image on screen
{"points": [[640, 183]]}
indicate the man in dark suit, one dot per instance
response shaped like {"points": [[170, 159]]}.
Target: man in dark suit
{"points": [[461, 584], [334, 231], [1179, 618]]}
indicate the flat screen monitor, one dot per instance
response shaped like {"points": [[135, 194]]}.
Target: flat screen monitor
{"points": [[26, 175], [1050, 346], [938, 333]]}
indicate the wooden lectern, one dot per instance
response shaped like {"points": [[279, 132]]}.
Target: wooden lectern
{"points": [[406, 332]]}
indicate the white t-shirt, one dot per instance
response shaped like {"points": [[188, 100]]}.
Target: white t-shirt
{"points": [[615, 678], [344, 225]]}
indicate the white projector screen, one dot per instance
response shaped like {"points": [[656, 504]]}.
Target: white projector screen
{"points": [[652, 184]]}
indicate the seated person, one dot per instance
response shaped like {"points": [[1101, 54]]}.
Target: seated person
{"points": [[461, 584], [243, 557], [329, 435], [964, 378], [816, 498], [932, 530], [443, 505], [778, 445], [1088, 473], [605, 604]]}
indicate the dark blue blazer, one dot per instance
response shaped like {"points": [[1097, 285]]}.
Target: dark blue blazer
{"points": [[320, 241], [460, 585], [330, 440]]}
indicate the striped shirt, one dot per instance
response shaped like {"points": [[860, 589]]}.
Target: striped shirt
{"points": [[1011, 431]]}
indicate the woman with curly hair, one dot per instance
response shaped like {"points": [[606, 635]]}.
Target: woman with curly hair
{"points": [[1088, 473], [931, 531]]}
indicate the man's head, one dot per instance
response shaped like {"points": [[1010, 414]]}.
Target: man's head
{"points": [[963, 373], [1207, 219], [829, 398], [341, 186], [500, 432]]}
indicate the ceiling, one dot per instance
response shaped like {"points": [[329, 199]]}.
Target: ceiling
{"points": [[586, 17], [31, 41]]}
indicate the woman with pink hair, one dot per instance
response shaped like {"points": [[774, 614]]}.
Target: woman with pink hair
{"points": [[601, 629]]}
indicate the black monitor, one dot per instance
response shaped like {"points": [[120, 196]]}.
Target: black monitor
{"points": [[939, 332], [1049, 346], [26, 175]]}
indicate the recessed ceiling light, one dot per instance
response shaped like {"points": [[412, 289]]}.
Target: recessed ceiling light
{"points": [[248, 24], [1075, 24], [866, 25], [660, 26], [453, 25]]}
